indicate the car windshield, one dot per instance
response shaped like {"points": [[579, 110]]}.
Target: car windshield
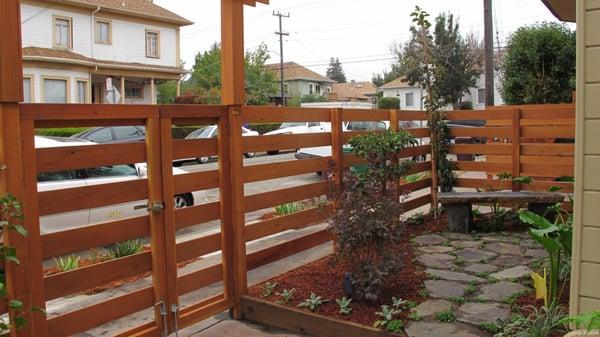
{"points": [[291, 125], [200, 133], [367, 126], [58, 176], [112, 171]]}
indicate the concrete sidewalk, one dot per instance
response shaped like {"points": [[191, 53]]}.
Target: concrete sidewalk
{"points": [[222, 326]]}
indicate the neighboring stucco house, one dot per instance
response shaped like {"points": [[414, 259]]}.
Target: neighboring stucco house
{"points": [[585, 272], [71, 48], [411, 96], [300, 81], [354, 92]]}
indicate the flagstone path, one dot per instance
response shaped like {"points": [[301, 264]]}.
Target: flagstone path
{"points": [[476, 277]]}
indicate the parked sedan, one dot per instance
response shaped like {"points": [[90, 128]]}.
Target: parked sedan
{"points": [[295, 128], [213, 132], [113, 134], [49, 181]]}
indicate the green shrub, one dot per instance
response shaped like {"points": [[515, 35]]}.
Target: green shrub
{"points": [[589, 321], [59, 132], [386, 316], [126, 248], [268, 289], [290, 208], [67, 263], [445, 316], [490, 327], [395, 326], [286, 296], [389, 103], [542, 322], [466, 105]]}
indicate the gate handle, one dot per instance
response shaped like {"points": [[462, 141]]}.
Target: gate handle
{"points": [[175, 311], [163, 312], [155, 207]]}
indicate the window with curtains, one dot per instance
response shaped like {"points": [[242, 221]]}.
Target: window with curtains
{"points": [[63, 32], [82, 92], [103, 32], [27, 94], [152, 43], [55, 90]]}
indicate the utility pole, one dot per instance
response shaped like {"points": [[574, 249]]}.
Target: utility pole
{"points": [[281, 35], [489, 53]]}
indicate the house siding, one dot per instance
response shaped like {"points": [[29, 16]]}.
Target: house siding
{"points": [[585, 288]]}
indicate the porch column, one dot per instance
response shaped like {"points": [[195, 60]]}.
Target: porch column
{"points": [[152, 91], [178, 90], [25, 281], [122, 101]]}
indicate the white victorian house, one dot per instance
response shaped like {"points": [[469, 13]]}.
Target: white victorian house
{"points": [[98, 51], [411, 97]]}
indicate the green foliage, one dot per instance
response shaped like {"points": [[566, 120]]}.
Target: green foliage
{"points": [[416, 219], [59, 132], [460, 262], [556, 238], [387, 76], [205, 83], [413, 316], [344, 304], [335, 71], [413, 178], [457, 299], [542, 322], [286, 296], [313, 302], [589, 321], [539, 65], [166, 92], [470, 289], [125, 248], [395, 326], [367, 224], [313, 99], [67, 263], [386, 315], [490, 327], [389, 103], [399, 303], [466, 105], [410, 304], [263, 128], [290, 208], [268, 289], [446, 316]]}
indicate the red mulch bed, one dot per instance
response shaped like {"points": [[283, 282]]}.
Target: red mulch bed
{"points": [[325, 278]]}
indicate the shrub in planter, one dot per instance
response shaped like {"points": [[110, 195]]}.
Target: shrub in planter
{"points": [[366, 222]]}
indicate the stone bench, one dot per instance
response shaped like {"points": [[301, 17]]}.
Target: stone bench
{"points": [[460, 215]]}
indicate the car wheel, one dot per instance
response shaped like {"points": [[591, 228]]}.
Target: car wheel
{"points": [[203, 160], [249, 154], [272, 153], [182, 200]]}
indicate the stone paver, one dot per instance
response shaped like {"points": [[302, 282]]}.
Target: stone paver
{"points": [[445, 289], [512, 273], [478, 313], [454, 276], [435, 329], [459, 236], [475, 255], [481, 268], [500, 291], [536, 253], [507, 261], [435, 249], [436, 260], [432, 307], [499, 238], [465, 244], [503, 248], [430, 239]]}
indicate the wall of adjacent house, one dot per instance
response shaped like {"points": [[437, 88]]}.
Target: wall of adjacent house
{"points": [[37, 76], [401, 94], [585, 280], [298, 88], [128, 35]]}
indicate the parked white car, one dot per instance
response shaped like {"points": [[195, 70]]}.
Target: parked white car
{"points": [[212, 131], [298, 128], [49, 181]]}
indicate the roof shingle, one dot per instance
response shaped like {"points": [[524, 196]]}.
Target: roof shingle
{"points": [[293, 71]]}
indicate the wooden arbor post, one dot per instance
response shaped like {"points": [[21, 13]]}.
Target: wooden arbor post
{"points": [[233, 94], [17, 176]]}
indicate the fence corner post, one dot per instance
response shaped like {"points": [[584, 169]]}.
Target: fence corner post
{"points": [[516, 148]]}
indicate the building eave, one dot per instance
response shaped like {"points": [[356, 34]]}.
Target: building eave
{"points": [[99, 64], [564, 10]]}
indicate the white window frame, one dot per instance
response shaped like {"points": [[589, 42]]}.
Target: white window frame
{"points": [[480, 96], [150, 31], [87, 99], [31, 88], [286, 88], [97, 39], [68, 87], [317, 89], [69, 45]]}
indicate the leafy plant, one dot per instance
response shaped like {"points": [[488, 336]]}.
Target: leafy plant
{"points": [[589, 321], [541, 322], [470, 289], [457, 299], [556, 238], [286, 296], [344, 304], [366, 223], [67, 263], [290, 208], [313, 302], [490, 327], [446, 316], [386, 316], [268, 288], [399, 303], [413, 178], [415, 317], [125, 248], [416, 219], [395, 326]]}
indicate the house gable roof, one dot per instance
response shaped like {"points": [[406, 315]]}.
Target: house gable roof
{"points": [[354, 90], [293, 71], [138, 8], [397, 83]]}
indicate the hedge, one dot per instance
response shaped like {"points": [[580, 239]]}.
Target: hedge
{"points": [[59, 132]]}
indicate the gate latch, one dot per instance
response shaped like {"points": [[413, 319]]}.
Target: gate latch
{"points": [[163, 313], [154, 207]]}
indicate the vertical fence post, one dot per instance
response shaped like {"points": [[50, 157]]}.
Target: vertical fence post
{"points": [[394, 121], [337, 146], [20, 279], [516, 148], [237, 207]]}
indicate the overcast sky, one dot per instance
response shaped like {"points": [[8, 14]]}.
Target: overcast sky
{"points": [[359, 32]]}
